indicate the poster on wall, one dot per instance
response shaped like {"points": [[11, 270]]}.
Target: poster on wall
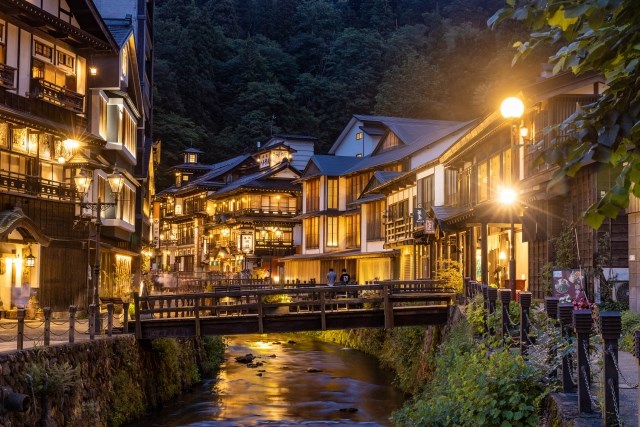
{"points": [[568, 285]]}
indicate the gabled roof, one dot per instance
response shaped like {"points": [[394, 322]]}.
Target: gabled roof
{"points": [[121, 30], [323, 164], [92, 32], [15, 219], [262, 180], [436, 138], [210, 179]]}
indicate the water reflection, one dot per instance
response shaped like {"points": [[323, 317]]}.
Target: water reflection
{"points": [[292, 381]]}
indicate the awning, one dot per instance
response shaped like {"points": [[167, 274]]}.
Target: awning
{"points": [[15, 219], [366, 199]]}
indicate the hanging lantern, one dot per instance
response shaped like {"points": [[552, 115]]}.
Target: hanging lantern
{"points": [[30, 260]]}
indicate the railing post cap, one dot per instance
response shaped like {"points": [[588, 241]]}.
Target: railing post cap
{"points": [[525, 299], [565, 313], [505, 295], [611, 324], [492, 293], [551, 306], [582, 321]]}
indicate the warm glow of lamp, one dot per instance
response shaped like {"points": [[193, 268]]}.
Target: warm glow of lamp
{"points": [[70, 144], [512, 108], [278, 233], [524, 131], [30, 260], [502, 256], [225, 232], [61, 160], [116, 181], [276, 279], [82, 181], [507, 196], [93, 71]]}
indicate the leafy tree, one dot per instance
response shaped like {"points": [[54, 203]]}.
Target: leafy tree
{"points": [[592, 36]]}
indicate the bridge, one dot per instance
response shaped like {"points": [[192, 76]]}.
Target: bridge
{"points": [[235, 310]]}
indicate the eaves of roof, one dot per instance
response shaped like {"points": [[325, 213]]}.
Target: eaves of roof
{"points": [[351, 254]]}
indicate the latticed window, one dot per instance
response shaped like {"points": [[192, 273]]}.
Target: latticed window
{"points": [[375, 221], [332, 231], [332, 193], [312, 195], [311, 233], [352, 232]]}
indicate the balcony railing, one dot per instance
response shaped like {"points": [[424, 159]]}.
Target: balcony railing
{"points": [[7, 76], [43, 188], [42, 109], [42, 89], [399, 229]]}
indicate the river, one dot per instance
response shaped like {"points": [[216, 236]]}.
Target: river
{"points": [[297, 381]]}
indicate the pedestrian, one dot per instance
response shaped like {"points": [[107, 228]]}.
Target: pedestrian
{"points": [[344, 277], [331, 277]]}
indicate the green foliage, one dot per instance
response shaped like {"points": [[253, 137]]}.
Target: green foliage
{"points": [[404, 351], [592, 36], [167, 355], [50, 379], [630, 324], [474, 313], [473, 386], [229, 73], [214, 348], [450, 271], [565, 248], [128, 399]]}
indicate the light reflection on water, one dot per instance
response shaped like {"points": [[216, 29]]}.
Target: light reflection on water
{"points": [[283, 392]]}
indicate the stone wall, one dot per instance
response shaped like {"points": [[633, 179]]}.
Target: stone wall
{"points": [[105, 382]]}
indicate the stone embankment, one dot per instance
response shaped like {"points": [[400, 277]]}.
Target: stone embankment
{"points": [[104, 382]]}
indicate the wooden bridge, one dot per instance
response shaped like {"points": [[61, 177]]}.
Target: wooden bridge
{"points": [[248, 310]]}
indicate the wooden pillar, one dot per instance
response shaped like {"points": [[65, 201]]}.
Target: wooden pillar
{"points": [[484, 253]]}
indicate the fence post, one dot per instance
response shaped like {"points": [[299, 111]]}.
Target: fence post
{"points": [[610, 328], [323, 316], [92, 321], [493, 297], [551, 307], [525, 304], [505, 299], [388, 307], [582, 323], [197, 315], [47, 325], [136, 307], [125, 314], [20, 327], [565, 313], [109, 319], [72, 323]]}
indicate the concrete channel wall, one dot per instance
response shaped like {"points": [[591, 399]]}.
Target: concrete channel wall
{"points": [[105, 382]]}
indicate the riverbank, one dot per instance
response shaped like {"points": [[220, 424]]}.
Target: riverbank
{"points": [[103, 382]]}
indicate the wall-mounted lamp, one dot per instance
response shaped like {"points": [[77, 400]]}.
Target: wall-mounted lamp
{"points": [[93, 70], [30, 260]]}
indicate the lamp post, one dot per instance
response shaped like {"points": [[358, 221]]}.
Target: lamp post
{"points": [[512, 109], [83, 183], [277, 233]]}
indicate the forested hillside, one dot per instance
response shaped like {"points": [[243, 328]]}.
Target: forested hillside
{"points": [[229, 73]]}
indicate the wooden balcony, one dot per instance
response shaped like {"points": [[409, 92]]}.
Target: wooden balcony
{"points": [[42, 89], [7, 76], [399, 229], [42, 109], [35, 186]]}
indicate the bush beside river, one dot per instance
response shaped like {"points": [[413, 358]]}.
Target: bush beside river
{"points": [[106, 382]]}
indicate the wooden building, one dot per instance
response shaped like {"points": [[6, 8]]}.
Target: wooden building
{"points": [[70, 104]]}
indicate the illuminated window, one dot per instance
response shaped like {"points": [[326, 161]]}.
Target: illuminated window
{"points": [[483, 182], [332, 193], [359, 135], [312, 195], [311, 233], [332, 231], [352, 229]]}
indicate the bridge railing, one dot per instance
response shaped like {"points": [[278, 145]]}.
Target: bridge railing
{"points": [[234, 299]]}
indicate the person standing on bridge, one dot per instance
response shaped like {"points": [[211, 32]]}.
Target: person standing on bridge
{"points": [[344, 277], [331, 277]]}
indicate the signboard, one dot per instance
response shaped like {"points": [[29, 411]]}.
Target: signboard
{"points": [[429, 226], [156, 233], [419, 216], [568, 284], [246, 243]]}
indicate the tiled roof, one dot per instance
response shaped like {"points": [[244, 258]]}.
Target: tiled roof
{"points": [[16, 219], [120, 29]]}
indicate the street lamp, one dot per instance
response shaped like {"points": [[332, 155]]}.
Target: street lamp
{"points": [[83, 183], [512, 109]]}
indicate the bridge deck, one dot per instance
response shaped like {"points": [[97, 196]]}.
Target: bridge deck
{"points": [[248, 311]]}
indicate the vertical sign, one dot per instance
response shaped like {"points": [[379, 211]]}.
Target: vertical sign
{"points": [[155, 232], [247, 243], [419, 216], [429, 226]]}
